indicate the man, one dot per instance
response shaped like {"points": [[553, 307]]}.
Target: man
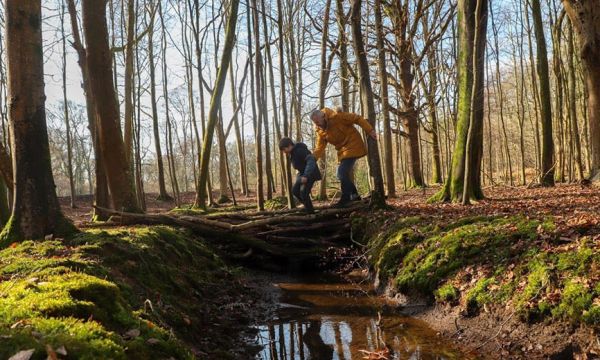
{"points": [[337, 128], [308, 171]]}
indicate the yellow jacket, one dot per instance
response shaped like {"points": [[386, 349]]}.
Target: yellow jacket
{"points": [[341, 133]]}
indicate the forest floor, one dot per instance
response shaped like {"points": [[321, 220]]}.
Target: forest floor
{"points": [[515, 275]]}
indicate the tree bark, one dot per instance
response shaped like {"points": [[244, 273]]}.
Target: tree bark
{"points": [[468, 149], [377, 194], [215, 104], [36, 211], [284, 112], [547, 175], [101, 194], [162, 188], [388, 154], [99, 66], [584, 16]]}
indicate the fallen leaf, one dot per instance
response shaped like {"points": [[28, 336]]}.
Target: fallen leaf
{"points": [[133, 333], [62, 351], [22, 355]]}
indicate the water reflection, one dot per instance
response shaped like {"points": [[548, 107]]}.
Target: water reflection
{"points": [[339, 321]]}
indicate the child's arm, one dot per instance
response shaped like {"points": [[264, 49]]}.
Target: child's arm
{"points": [[311, 165]]}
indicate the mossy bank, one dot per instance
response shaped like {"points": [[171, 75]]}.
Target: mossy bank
{"points": [[514, 270], [124, 293]]}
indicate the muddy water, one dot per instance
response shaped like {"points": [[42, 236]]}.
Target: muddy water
{"points": [[340, 320]]}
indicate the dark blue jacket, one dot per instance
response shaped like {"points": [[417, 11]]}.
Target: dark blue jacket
{"points": [[304, 161]]}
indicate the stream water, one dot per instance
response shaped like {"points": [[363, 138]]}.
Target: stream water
{"points": [[333, 319]]}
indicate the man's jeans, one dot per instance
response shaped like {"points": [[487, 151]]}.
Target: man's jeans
{"points": [[302, 192], [343, 174]]}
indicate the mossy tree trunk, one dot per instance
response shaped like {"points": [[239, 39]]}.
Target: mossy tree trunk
{"points": [[215, 103], [547, 161], [366, 94], [468, 149], [36, 211], [584, 16], [110, 140]]}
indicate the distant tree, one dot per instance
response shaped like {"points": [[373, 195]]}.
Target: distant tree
{"points": [[36, 212]]}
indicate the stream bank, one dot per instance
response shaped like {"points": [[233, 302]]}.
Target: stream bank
{"points": [[510, 286]]}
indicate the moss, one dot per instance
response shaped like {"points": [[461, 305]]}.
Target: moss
{"points": [[538, 281], [85, 293], [10, 233], [393, 249], [441, 255], [478, 296], [576, 261], [276, 203], [592, 315], [447, 293], [575, 300]]}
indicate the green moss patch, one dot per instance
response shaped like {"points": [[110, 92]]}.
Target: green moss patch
{"points": [[117, 294], [492, 261]]}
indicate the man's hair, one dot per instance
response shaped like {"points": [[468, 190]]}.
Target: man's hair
{"points": [[285, 142], [315, 112]]}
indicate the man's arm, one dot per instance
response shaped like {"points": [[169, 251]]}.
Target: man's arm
{"points": [[319, 150], [355, 119]]}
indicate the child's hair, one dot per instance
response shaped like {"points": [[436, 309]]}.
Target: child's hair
{"points": [[285, 142]]}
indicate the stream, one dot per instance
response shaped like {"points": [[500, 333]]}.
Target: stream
{"points": [[330, 318]]}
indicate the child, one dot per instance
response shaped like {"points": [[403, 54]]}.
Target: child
{"points": [[308, 171]]}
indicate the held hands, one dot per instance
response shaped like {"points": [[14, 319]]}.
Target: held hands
{"points": [[303, 179]]}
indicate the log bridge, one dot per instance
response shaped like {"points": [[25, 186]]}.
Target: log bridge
{"points": [[283, 233]]}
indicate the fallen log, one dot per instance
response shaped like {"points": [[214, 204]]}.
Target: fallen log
{"points": [[126, 218]]}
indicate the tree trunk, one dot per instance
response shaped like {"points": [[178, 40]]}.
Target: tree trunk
{"points": [[463, 182], [584, 16], [547, 175], [99, 66], [162, 188], [215, 104], [36, 211], [284, 112], [101, 194], [377, 195], [573, 107], [258, 103], [66, 108], [169, 130], [128, 90], [388, 154]]}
